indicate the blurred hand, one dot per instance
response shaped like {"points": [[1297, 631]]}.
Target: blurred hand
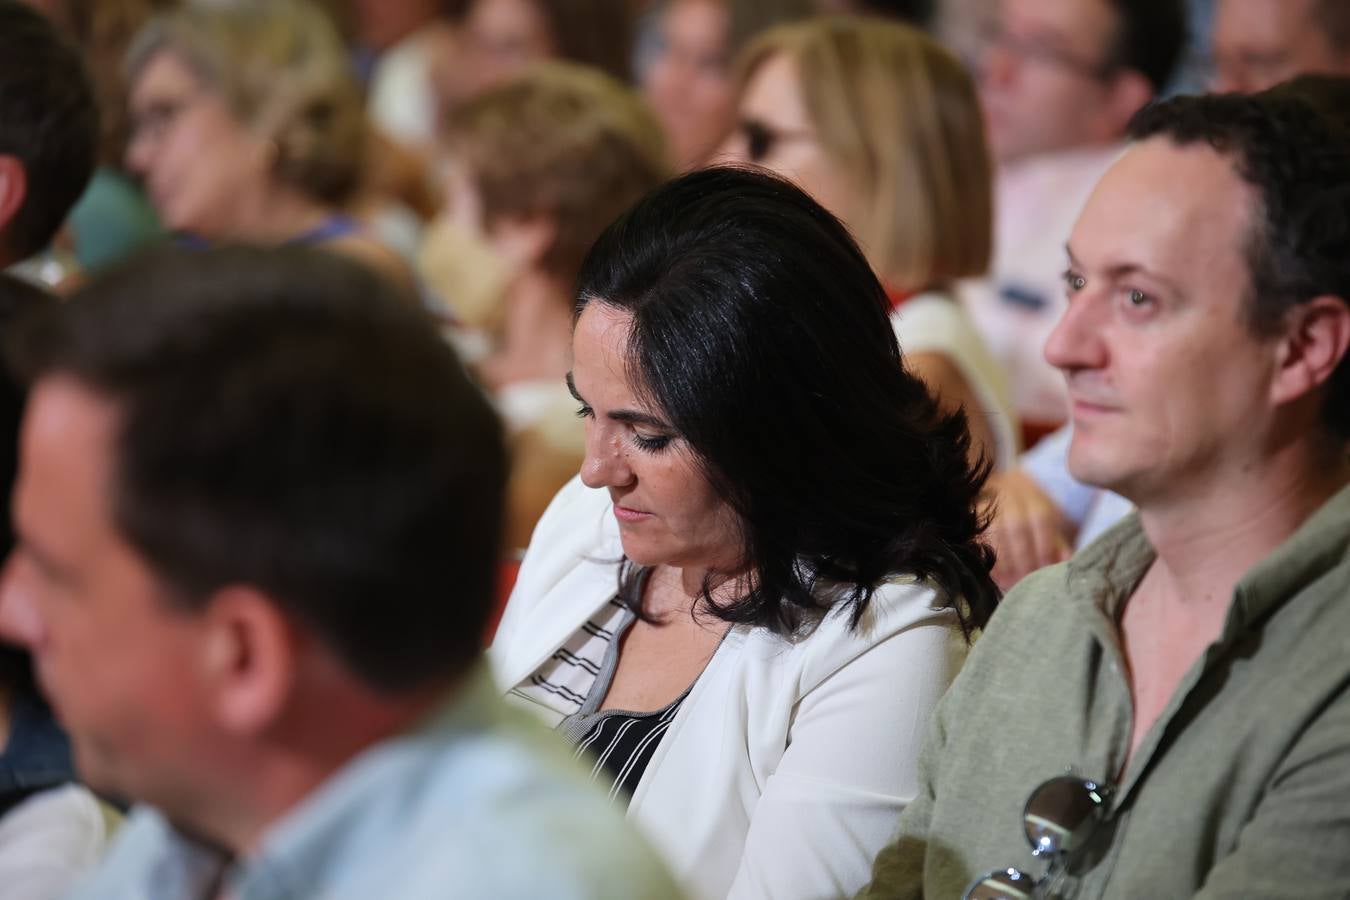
{"points": [[1027, 531]]}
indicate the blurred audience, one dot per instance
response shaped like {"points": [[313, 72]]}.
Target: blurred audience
{"points": [[1190, 666], [788, 518], [405, 38], [48, 139], [1256, 44], [1059, 80], [882, 126], [539, 166], [688, 78], [500, 38], [249, 482], [247, 126], [113, 219]]}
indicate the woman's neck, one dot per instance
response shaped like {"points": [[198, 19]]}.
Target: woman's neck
{"points": [[276, 214]]}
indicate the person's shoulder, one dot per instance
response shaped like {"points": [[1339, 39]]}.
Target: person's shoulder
{"points": [[508, 813], [900, 607], [1040, 602], [63, 826]]}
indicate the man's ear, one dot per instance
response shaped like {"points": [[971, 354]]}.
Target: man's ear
{"points": [[13, 189], [1315, 344], [249, 659]]}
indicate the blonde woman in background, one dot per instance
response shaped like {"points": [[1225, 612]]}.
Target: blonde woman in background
{"points": [[882, 126], [538, 167], [247, 126]]}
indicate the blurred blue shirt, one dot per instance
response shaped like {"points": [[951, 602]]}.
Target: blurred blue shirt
{"points": [[478, 802]]}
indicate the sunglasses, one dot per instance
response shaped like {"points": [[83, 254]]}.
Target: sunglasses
{"points": [[1059, 818], [760, 139]]}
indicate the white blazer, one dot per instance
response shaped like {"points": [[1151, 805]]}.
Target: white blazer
{"points": [[789, 761]]}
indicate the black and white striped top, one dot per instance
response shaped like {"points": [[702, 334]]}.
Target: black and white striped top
{"points": [[575, 681]]}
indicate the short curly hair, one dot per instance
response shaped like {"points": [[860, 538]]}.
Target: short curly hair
{"points": [[563, 141], [1298, 159], [281, 69]]}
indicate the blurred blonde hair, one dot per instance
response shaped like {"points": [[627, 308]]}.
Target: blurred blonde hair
{"points": [[898, 113], [564, 141], [282, 70]]}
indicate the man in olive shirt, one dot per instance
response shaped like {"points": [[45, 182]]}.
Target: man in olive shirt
{"points": [[1194, 661]]}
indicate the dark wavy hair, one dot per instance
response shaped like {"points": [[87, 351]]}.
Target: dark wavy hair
{"points": [[1291, 144], [1150, 38], [48, 120], [759, 330]]}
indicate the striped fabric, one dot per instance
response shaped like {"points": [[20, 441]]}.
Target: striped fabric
{"points": [[620, 743], [561, 685], [572, 685]]}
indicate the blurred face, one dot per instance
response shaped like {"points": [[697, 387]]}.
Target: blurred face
{"points": [[1168, 387], [1259, 43], [775, 131], [688, 83], [197, 159], [119, 668], [667, 512], [1043, 76], [502, 37], [383, 23]]}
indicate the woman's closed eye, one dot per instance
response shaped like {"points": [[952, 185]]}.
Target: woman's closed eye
{"points": [[654, 443]]}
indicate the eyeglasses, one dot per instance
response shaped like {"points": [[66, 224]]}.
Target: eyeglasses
{"points": [[1039, 49], [155, 118], [760, 139], [1059, 818]]}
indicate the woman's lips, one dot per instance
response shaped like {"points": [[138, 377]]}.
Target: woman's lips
{"points": [[627, 515]]}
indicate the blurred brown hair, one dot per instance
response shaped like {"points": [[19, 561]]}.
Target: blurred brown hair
{"points": [[562, 141]]}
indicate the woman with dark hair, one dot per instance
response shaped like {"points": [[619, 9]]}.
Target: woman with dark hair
{"points": [[789, 518]]}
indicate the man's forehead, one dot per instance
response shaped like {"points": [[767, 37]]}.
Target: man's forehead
{"points": [[1177, 206], [1266, 23], [1074, 21], [68, 433]]}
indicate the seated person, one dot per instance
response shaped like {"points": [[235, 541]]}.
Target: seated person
{"points": [[882, 126], [247, 126], [745, 609], [1166, 715], [257, 521], [1040, 511], [537, 168]]}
